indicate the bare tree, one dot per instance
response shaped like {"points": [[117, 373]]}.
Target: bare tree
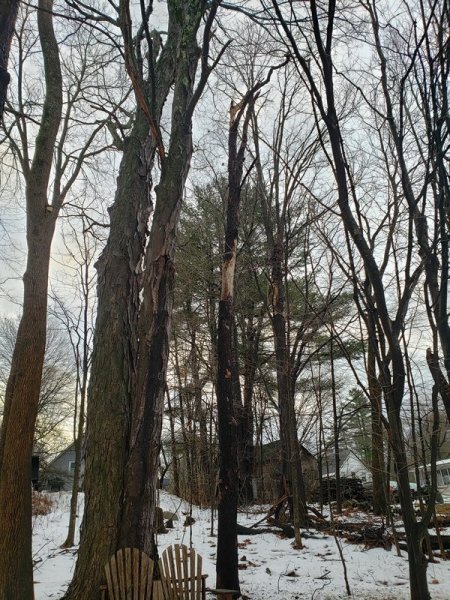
{"points": [[228, 387], [57, 385], [391, 363], [78, 323], [125, 494], [49, 169], [16, 439]]}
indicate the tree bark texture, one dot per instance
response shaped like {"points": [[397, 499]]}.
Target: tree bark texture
{"points": [[377, 443], [228, 486], [24, 382], [227, 573], [251, 345], [113, 366], [113, 385], [8, 16], [155, 316]]}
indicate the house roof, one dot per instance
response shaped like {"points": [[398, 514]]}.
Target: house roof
{"points": [[272, 450], [329, 462], [69, 448]]}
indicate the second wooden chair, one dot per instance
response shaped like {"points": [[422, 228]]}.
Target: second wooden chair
{"points": [[180, 568]]}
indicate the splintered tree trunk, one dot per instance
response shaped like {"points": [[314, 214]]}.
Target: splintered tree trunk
{"points": [[114, 361], [155, 315], [228, 487], [138, 518], [112, 371], [24, 382]]}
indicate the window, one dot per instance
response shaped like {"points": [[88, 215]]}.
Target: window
{"points": [[446, 476], [71, 467]]}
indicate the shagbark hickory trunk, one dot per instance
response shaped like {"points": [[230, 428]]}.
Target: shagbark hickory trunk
{"points": [[155, 315], [24, 382], [113, 367], [115, 355]]}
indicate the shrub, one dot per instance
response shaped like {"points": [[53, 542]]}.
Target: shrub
{"points": [[41, 504]]}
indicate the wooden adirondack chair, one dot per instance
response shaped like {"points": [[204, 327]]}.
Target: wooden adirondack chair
{"points": [[180, 568], [129, 576]]}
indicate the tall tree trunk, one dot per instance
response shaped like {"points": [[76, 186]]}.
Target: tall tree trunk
{"points": [[8, 16], [291, 459], [24, 382], [113, 366], [251, 347], [377, 445], [336, 431], [114, 361], [228, 487], [183, 407], [79, 426], [201, 440], [155, 316], [173, 447], [292, 480], [415, 530]]}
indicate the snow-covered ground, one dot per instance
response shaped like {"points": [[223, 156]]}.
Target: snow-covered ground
{"points": [[271, 568]]}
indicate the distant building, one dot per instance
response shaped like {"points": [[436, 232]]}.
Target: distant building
{"points": [[60, 471], [442, 476], [266, 482], [350, 466]]}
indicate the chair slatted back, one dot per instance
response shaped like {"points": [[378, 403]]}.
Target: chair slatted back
{"points": [[181, 573], [129, 575]]}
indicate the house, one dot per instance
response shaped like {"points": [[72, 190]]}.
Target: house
{"points": [[266, 482], [350, 465], [442, 476], [61, 469]]}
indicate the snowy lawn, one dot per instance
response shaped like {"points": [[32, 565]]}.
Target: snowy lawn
{"points": [[271, 568]]}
